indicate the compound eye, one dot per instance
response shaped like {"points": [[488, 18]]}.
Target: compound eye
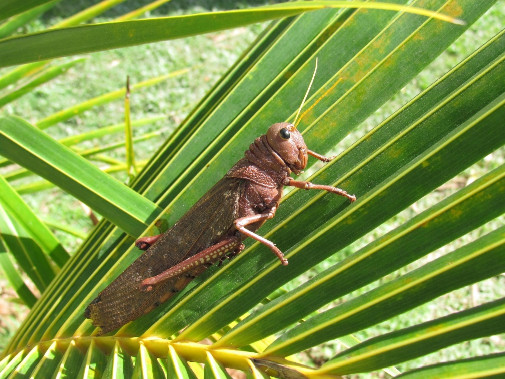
{"points": [[284, 133]]}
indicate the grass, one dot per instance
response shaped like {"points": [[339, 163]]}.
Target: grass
{"points": [[208, 57]]}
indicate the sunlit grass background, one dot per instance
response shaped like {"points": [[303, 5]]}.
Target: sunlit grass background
{"points": [[208, 57]]}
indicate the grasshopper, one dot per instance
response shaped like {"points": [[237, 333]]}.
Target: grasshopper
{"points": [[212, 230]]}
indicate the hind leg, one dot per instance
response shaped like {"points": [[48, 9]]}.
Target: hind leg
{"points": [[207, 256]]}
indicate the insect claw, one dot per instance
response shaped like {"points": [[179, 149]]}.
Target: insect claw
{"points": [[146, 285], [147, 288], [142, 245]]}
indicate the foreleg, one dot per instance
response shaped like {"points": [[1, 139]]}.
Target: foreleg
{"points": [[319, 156]]}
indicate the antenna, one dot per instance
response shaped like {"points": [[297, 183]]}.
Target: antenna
{"points": [[321, 97], [306, 94]]}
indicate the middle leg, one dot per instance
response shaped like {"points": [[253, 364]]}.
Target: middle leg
{"points": [[242, 222]]}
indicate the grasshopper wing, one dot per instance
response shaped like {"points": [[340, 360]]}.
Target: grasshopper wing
{"points": [[206, 223]]}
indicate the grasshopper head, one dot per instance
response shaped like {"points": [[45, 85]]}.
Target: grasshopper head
{"points": [[288, 143]]}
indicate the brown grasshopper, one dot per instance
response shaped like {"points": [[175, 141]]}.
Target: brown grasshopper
{"points": [[211, 230]]}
